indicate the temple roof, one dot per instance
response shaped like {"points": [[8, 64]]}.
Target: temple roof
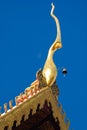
{"points": [[30, 106]]}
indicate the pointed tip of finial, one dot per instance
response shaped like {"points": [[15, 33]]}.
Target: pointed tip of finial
{"points": [[52, 8], [52, 5]]}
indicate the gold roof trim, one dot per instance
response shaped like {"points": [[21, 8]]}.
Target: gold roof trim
{"points": [[17, 112]]}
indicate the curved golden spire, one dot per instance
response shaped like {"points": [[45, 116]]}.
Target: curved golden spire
{"points": [[58, 37], [50, 70]]}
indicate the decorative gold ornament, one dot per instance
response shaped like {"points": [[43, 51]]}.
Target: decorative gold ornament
{"points": [[50, 70]]}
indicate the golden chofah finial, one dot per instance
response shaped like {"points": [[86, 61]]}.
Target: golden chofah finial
{"points": [[50, 70]]}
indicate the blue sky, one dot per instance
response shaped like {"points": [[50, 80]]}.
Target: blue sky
{"points": [[26, 33]]}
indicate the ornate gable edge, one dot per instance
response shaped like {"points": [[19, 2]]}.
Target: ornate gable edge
{"points": [[17, 112]]}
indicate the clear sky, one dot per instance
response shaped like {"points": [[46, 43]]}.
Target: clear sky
{"points": [[26, 33]]}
